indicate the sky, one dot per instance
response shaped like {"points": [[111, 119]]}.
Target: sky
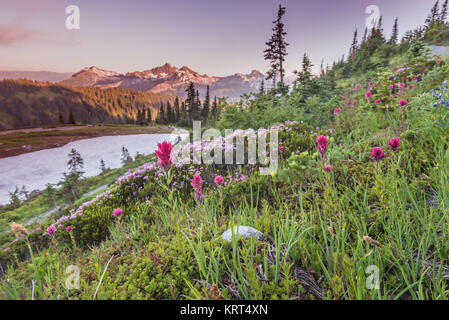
{"points": [[212, 37]]}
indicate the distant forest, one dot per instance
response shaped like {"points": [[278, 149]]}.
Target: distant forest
{"points": [[27, 103]]}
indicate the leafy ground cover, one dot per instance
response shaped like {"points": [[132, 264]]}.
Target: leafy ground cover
{"points": [[362, 186]]}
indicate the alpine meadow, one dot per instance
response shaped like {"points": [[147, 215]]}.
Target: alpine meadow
{"points": [[357, 209]]}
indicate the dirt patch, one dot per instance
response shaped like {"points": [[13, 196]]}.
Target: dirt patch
{"points": [[16, 142]]}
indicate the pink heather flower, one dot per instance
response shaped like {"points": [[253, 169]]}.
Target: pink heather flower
{"points": [[218, 180], [337, 111], [164, 154], [401, 85], [368, 94], [68, 229], [410, 86], [117, 212], [281, 148], [328, 168], [403, 102], [378, 101], [51, 230], [323, 144], [391, 86], [394, 144], [377, 154]]}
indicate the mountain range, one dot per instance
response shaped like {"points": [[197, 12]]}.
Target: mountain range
{"points": [[36, 75], [168, 79]]}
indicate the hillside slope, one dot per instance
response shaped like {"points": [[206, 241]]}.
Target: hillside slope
{"points": [[367, 190], [25, 103]]}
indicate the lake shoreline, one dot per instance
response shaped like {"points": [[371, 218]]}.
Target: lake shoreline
{"points": [[22, 141]]}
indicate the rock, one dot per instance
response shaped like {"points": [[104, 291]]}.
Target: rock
{"points": [[34, 194], [242, 231], [27, 147]]}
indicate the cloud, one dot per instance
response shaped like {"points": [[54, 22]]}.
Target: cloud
{"points": [[15, 32]]}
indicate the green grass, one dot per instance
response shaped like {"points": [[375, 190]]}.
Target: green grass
{"points": [[324, 233], [41, 204]]}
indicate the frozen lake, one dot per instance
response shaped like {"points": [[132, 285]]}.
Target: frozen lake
{"points": [[35, 169]]}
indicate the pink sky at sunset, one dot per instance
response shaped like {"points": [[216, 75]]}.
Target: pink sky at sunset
{"points": [[213, 37]]}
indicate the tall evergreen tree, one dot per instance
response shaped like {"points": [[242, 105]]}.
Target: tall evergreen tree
{"points": [[169, 113], [354, 46], [433, 17], [306, 70], [444, 11], [191, 102], [395, 32], [161, 117], [277, 49], [76, 162], [71, 117], [262, 87], [365, 36], [60, 118], [176, 109], [215, 108], [149, 118], [206, 105]]}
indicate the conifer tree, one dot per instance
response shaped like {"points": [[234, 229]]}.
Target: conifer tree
{"points": [[277, 49], [169, 113], [395, 32], [191, 103], [262, 88], [71, 117], [306, 70], [161, 118], [206, 105], [215, 108], [365, 36], [149, 118], [354, 46], [176, 109], [444, 11], [61, 118], [433, 17]]}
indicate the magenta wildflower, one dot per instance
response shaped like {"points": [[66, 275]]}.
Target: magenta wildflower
{"points": [[218, 180], [68, 229], [164, 154], [368, 95], [378, 101], [323, 144], [394, 144], [403, 102], [377, 154], [51, 230], [328, 168], [117, 212], [196, 184]]}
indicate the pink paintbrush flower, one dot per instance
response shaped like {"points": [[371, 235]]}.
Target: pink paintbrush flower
{"points": [[164, 154], [377, 154]]}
